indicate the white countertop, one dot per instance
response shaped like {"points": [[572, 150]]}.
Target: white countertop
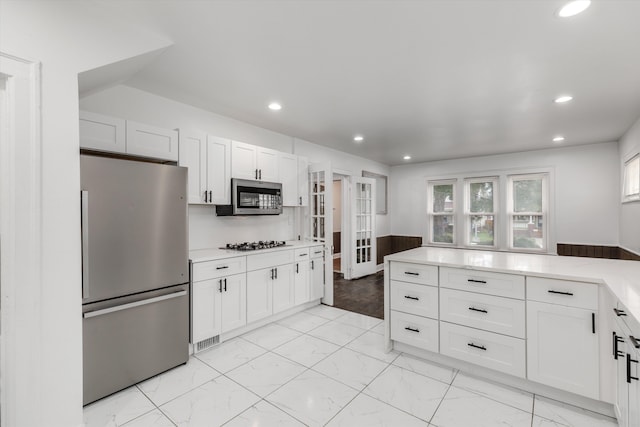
{"points": [[621, 277], [212, 254]]}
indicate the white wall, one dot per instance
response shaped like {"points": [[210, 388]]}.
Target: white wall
{"points": [[205, 229], [630, 212], [67, 37], [586, 190]]}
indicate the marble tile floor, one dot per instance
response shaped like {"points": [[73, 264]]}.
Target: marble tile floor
{"points": [[324, 366]]}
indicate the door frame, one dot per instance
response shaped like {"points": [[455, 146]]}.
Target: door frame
{"points": [[21, 290]]}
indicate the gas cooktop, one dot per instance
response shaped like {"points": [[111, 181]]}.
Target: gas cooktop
{"points": [[247, 246]]}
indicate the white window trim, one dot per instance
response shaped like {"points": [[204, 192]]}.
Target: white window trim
{"points": [[503, 237], [495, 213], [635, 197], [545, 211], [431, 214]]}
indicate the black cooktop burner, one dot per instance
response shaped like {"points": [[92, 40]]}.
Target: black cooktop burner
{"points": [[246, 246]]}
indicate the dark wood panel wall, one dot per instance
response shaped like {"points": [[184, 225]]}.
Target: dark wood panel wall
{"points": [[387, 245], [594, 251], [336, 242]]}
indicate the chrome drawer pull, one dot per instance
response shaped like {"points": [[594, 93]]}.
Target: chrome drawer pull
{"points": [[411, 273], [412, 329], [560, 293], [413, 298], [479, 347], [477, 281], [478, 309]]}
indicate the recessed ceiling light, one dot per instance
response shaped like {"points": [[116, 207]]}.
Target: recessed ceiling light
{"points": [[275, 106], [358, 138], [574, 8], [558, 139], [407, 157], [564, 98]]}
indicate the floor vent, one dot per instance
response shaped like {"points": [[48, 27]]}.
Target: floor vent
{"points": [[205, 344]]}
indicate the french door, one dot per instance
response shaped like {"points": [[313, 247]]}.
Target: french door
{"points": [[321, 217], [363, 227]]}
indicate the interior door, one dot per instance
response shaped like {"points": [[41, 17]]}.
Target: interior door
{"points": [[363, 227], [321, 217]]}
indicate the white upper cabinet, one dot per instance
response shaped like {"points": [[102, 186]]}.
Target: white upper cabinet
{"points": [[289, 179], [303, 181], [253, 162], [104, 133], [208, 159], [151, 141]]}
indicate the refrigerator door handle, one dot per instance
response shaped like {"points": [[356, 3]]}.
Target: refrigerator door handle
{"points": [[84, 200], [95, 313]]}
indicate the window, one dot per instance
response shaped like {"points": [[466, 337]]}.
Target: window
{"points": [[480, 211], [631, 186], [441, 212], [527, 212]]}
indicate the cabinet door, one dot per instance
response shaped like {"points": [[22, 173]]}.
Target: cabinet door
{"points": [[267, 164], [303, 181], [193, 150], [634, 387], [151, 141], [218, 163], [234, 302], [283, 288], [562, 348], [205, 310], [259, 294], [289, 179], [622, 387], [316, 276], [302, 291], [104, 133], [243, 160]]}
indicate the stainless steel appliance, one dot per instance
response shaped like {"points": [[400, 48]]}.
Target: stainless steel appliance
{"points": [[253, 198], [135, 272], [262, 244]]}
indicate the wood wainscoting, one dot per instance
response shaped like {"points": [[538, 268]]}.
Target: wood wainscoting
{"points": [[388, 245], [594, 251]]}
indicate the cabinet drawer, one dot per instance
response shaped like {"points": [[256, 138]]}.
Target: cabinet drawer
{"points": [[563, 292], [316, 251], [414, 273], [499, 352], [218, 268], [421, 300], [488, 312], [484, 282], [301, 254], [271, 259], [414, 330]]}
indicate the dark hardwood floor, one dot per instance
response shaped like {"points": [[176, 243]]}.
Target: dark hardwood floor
{"points": [[364, 295]]}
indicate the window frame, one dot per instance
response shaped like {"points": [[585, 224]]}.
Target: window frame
{"points": [[431, 214], [633, 197], [467, 214], [510, 214]]}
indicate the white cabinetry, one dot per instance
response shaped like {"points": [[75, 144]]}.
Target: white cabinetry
{"points": [[208, 159], [626, 354], [104, 133], [562, 340], [254, 162], [289, 179], [303, 181], [270, 284], [316, 272], [302, 284], [218, 297]]}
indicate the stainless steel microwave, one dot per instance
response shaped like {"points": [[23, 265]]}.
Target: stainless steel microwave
{"points": [[253, 198]]}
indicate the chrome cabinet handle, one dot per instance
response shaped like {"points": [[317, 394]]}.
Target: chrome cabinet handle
{"points": [[84, 203]]}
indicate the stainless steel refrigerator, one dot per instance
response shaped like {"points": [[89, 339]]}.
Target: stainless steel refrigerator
{"points": [[135, 273]]}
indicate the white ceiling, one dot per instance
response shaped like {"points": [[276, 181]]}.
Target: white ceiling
{"points": [[433, 79]]}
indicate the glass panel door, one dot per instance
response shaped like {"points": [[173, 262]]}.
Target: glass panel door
{"points": [[321, 217], [363, 230]]}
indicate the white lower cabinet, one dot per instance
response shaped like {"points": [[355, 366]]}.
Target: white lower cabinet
{"points": [[283, 288], [626, 355], [562, 348], [316, 272], [218, 306], [259, 294], [414, 330], [302, 284], [495, 351]]}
